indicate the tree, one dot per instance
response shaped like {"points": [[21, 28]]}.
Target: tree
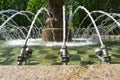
{"points": [[13, 4], [34, 5]]}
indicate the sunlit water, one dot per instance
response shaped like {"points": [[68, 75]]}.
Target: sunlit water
{"points": [[78, 39], [39, 42]]}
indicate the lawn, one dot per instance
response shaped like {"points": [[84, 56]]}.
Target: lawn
{"points": [[43, 55]]}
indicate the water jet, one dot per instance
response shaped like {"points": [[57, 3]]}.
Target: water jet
{"points": [[56, 29]]}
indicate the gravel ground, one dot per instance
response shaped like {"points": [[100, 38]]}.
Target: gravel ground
{"points": [[61, 72]]}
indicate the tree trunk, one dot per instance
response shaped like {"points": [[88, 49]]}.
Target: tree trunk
{"points": [[57, 13], [55, 32]]}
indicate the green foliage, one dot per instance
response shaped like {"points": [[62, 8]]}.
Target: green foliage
{"points": [[13, 4], [34, 5], [105, 5]]}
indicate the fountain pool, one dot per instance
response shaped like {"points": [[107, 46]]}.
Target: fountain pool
{"points": [[31, 35], [39, 42]]}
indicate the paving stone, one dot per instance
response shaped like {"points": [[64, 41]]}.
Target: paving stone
{"points": [[61, 72]]}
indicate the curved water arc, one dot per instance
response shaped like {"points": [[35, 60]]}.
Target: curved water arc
{"points": [[31, 26], [18, 13], [11, 19], [95, 26], [108, 16], [104, 14], [88, 25], [8, 11]]}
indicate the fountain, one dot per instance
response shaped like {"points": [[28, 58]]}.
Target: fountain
{"points": [[34, 35], [56, 31]]}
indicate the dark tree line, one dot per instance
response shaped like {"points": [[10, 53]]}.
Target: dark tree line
{"points": [[34, 5]]}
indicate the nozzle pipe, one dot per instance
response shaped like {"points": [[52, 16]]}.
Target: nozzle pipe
{"points": [[102, 54], [24, 54], [64, 55]]}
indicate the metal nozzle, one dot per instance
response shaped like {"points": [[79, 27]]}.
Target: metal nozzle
{"points": [[64, 55], [24, 54]]}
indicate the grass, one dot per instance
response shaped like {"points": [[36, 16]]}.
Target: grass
{"points": [[43, 55]]}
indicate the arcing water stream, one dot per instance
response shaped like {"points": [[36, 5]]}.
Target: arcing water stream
{"points": [[33, 28], [76, 41]]}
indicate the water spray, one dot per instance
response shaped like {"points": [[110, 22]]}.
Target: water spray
{"points": [[63, 50], [103, 50], [23, 56]]}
